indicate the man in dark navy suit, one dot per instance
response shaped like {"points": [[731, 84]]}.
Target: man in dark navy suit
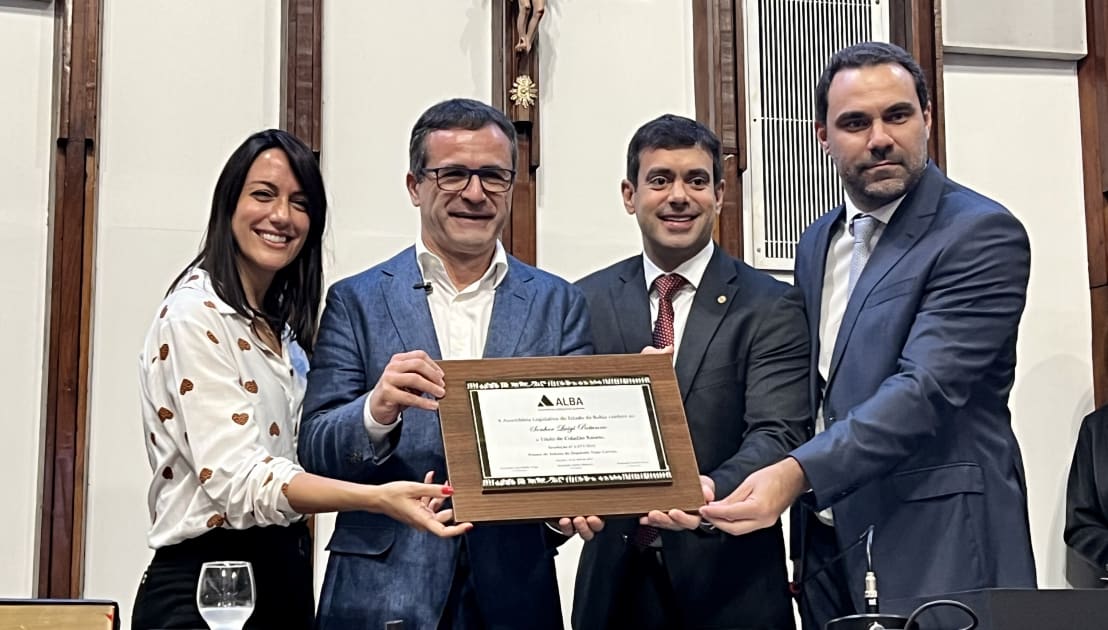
{"points": [[913, 289], [741, 353]]}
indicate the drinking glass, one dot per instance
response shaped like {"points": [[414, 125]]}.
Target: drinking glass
{"points": [[225, 594]]}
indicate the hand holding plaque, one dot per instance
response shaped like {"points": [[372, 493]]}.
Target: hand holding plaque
{"points": [[674, 519], [677, 520], [584, 526], [540, 438]]}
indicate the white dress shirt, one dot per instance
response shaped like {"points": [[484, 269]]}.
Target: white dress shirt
{"points": [[461, 318], [221, 413], [836, 281], [836, 293], [691, 270]]}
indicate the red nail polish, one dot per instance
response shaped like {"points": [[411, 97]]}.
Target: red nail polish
{"points": [[447, 490]]}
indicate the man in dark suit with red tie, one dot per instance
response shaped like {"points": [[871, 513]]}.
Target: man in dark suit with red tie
{"points": [[741, 354]]}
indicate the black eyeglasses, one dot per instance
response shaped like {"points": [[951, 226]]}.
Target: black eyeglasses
{"points": [[457, 178]]}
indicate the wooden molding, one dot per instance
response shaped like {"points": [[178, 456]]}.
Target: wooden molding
{"points": [[519, 236], [916, 26], [1096, 16], [719, 87], [1092, 90], [1099, 304], [302, 96], [77, 82], [302, 82]]}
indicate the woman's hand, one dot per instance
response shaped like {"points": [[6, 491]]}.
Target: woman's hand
{"points": [[419, 505]]}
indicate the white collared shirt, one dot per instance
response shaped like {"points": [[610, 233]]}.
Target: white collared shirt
{"points": [[836, 281], [693, 271], [221, 413], [836, 294], [461, 317]]}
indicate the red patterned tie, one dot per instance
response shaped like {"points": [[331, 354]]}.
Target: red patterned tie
{"points": [[666, 286]]}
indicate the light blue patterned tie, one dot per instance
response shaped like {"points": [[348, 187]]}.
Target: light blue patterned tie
{"points": [[862, 227]]}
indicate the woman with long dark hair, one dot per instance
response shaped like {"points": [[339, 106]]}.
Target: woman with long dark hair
{"points": [[222, 377]]}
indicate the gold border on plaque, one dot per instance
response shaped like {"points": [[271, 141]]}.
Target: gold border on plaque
{"points": [[461, 435], [516, 483]]}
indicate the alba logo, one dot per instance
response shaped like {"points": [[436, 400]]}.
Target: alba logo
{"points": [[568, 401]]}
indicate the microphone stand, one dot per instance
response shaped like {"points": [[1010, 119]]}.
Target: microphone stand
{"points": [[871, 619]]}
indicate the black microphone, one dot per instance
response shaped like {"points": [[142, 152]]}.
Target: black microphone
{"points": [[426, 286]]}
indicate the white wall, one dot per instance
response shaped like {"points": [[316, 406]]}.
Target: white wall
{"points": [[183, 83], [1013, 133], [383, 64], [26, 64], [1049, 29], [592, 104]]}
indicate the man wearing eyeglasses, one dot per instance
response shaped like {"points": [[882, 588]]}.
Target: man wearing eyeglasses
{"points": [[370, 412]]}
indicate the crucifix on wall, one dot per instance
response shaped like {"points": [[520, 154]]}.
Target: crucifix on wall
{"points": [[515, 87]]}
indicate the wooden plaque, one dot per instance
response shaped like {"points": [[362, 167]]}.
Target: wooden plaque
{"points": [[478, 498]]}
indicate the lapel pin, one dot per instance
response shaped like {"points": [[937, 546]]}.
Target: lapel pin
{"points": [[721, 299]]}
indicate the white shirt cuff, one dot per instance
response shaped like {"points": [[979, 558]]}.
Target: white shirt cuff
{"points": [[379, 433]]}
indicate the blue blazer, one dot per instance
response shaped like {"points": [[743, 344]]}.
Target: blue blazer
{"points": [[919, 440], [379, 569]]}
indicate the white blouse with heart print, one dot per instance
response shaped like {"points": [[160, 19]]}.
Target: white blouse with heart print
{"points": [[221, 413]]}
